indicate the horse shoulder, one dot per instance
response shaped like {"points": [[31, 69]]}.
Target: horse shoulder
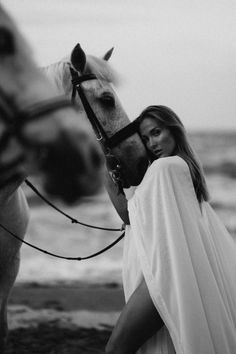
{"points": [[14, 212]]}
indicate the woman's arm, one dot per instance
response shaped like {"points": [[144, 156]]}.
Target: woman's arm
{"points": [[118, 200], [138, 321]]}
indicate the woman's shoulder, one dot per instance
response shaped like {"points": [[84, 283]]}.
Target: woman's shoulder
{"points": [[167, 166], [170, 163]]}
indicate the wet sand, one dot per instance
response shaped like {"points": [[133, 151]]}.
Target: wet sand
{"points": [[68, 319]]}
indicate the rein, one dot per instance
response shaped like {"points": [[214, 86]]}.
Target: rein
{"points": [[64, 257], [74, 221]]}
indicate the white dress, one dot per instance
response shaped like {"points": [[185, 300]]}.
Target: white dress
{"points": [[188, 260]]}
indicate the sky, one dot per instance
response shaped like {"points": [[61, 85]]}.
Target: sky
{"points": [[179, 53]]}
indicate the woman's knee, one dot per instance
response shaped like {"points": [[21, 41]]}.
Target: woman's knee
{"points": [[115, 348], [109, 348]]}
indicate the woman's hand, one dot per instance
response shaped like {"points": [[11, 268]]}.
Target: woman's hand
{"points": [[138, 321], [118, 200]]}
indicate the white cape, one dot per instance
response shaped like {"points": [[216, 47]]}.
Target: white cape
{"points": [[188, 260]]}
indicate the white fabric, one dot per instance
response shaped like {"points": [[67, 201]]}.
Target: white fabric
{"points": [[188, 260]]}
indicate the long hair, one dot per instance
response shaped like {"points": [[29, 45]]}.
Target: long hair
{"points": [[168, 119]]}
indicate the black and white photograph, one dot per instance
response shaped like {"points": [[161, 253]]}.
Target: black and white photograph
{"points": [[117, 177]]}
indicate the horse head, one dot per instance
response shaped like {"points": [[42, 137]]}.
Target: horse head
{"points": [[38, 126], [128, 151]]}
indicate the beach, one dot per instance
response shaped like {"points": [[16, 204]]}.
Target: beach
{"points": [[60, 306], [75, 318]]}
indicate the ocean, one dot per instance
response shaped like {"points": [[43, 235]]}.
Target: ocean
{"points": [[53, 232]]}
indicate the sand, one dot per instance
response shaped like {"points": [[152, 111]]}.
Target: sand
{"points": [[73, 318]]}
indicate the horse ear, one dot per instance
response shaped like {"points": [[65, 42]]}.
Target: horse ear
{"points": [[108, 54], [7, 45], [78, 58]]}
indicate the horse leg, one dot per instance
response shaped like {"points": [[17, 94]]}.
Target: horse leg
{"points": [[3, 324], [6, 283]]}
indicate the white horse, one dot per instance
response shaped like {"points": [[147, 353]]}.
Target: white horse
{"points": [[102, 98], [23, 83], [26, 94], [105, 104]]}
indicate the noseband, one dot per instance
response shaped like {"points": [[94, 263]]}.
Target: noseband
{"points": [[15, 119], [107, 143]]}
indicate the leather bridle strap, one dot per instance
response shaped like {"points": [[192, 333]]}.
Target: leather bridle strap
{"points": [[39, 110], [97, 127], [106, 142], [122, 134], [15, 118]]}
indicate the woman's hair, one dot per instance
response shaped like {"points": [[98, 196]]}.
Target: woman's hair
{"points": [[168, 119]]}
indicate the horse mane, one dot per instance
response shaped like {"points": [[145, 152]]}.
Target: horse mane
{"points": [[59, 74]]}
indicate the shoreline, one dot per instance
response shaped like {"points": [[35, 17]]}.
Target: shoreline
{"points": [[108, 297], [63, 318]]}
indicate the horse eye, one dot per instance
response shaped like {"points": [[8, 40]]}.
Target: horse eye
{"points": [[157, 132], [107, 99]]}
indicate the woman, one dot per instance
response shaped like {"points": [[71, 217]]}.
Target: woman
{"points": [[179, 261]]}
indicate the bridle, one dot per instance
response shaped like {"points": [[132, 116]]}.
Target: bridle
{"points": [[107, 143], [14, 119]]}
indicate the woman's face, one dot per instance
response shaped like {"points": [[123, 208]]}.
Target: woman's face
{"points": [[158, 140]]}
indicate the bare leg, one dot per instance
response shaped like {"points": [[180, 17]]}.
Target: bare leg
{"points": [[139, 320]]}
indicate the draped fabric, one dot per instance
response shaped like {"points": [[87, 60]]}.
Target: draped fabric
{"points": [[188, 260]]}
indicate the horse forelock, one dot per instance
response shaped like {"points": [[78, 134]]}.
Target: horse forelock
{"points": [[58, 73]]}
